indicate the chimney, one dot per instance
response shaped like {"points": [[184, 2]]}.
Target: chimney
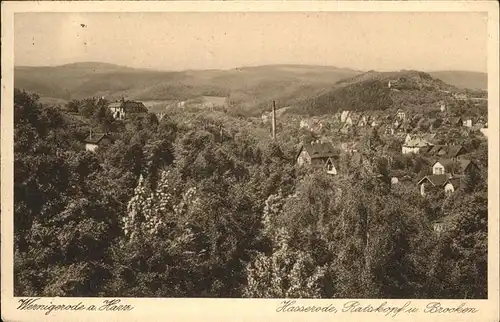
{"points": [[274, 120], [90, 136]]}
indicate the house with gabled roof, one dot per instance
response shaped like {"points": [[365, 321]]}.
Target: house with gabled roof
{"points": [[455, 151], [436, 150], [444, 151], [125, 108], [453, 167], [414, 145], [319, 155], [94, 140], [435, 182]]}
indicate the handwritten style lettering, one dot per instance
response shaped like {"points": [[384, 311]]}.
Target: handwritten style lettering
{"points": [[31, 305], [112, 305], [436, 307], [288, 306], [36, 304], [356, 307]]}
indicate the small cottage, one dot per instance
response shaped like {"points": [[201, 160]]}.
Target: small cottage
{"points": [[432, 182], [414, 145], [319, 155], [93, 141], [453, 166]]}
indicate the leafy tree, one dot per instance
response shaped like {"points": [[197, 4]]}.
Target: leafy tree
{"points": [[459, 262], [285, 272]]}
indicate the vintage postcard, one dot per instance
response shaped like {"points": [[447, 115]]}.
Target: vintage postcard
{"points": [[250, 161]]}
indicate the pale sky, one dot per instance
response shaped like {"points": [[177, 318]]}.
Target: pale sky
{"points": [[178, 41]]}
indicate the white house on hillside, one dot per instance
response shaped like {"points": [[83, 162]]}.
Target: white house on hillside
{"points": [[414, 145]]}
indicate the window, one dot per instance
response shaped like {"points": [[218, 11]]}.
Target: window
{"points": [[438, 169], [330, 168]]}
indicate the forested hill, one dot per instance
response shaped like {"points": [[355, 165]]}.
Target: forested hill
{"points": [[248, 86], [377, 91], [200, 204]]}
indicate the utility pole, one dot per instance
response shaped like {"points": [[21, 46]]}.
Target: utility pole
{"points": [[274, 120]]}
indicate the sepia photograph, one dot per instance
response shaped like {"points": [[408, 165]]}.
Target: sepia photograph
{"points": [[268, 155]]}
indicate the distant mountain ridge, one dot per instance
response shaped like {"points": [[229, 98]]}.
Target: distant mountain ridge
{"points": [[463, 79], [250, 87]]}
